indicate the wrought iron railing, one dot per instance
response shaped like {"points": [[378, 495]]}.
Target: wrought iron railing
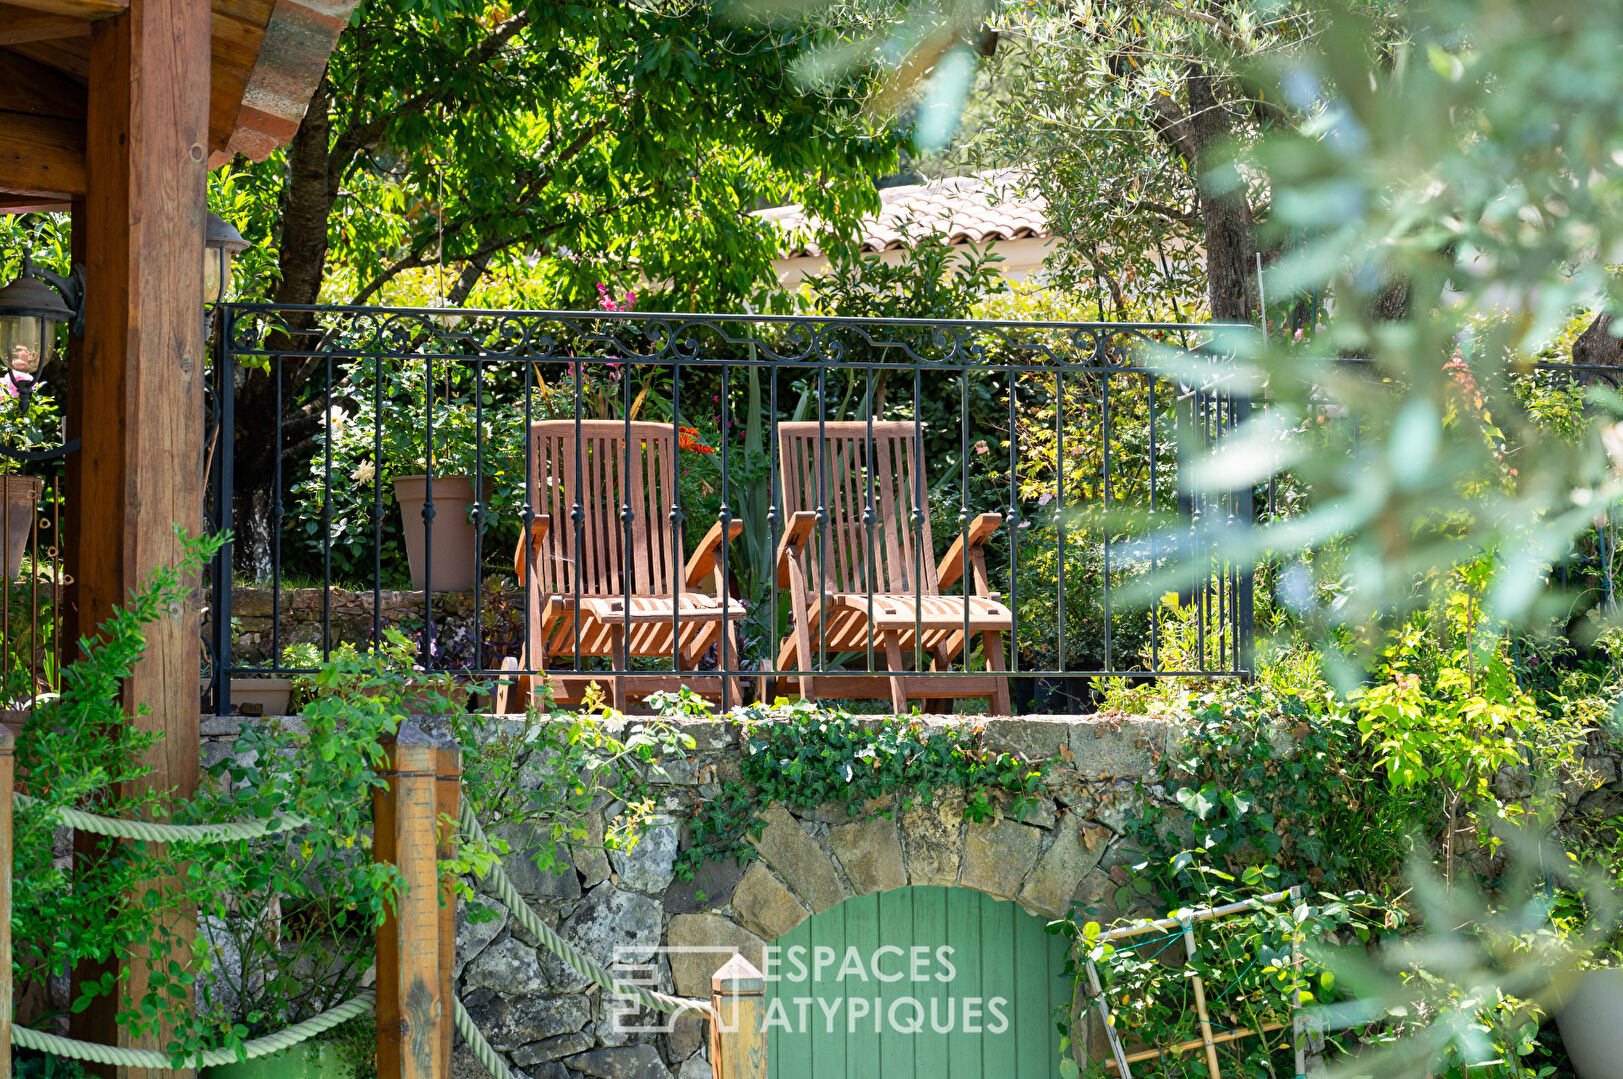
{"points": [[901, 437]]}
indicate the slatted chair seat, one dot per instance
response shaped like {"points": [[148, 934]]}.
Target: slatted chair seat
{"points": [[662, 609], [927, 612], [669, 615], [870, 581]]}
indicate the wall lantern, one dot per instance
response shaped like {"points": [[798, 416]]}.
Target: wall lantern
{"points": [[221, 241], [31, 307]]}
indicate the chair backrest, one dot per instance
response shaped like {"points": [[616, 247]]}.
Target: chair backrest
{"points": [[608, 482], [834, 465]]}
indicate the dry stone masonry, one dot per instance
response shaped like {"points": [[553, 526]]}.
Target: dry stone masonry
{"points": [[537, 1012]]}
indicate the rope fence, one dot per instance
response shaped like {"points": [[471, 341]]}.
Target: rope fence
{"points": [[157, 832], [152, 1059], [581, 964]]}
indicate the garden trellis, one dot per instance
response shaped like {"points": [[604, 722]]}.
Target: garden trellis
{"points": [[1182, 930]]}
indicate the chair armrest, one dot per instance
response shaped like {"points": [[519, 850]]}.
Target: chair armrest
{"points": [[952, 563], [521, 558], [794, 538], [703, 562]]}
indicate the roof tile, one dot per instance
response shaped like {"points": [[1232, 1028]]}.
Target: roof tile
{"points": [[974, 209]]}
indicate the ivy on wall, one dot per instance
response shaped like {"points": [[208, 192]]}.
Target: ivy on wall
{"points": [[803, 755]]}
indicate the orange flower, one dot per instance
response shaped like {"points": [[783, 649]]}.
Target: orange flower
{"points": [[688, 439]]}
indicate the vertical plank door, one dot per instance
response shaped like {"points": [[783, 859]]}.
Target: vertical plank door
{"points": [[985, 1010]]}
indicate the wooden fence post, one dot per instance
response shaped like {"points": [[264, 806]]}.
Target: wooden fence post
{"points": [[7, 759], [737, 1030], [411, 1009], [447, 805]]}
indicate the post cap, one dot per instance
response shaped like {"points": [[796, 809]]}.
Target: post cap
{"points": [[737, 977]]}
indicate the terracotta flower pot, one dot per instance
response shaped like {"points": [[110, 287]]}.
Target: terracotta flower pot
{"points": [[1591, 1025], [21, 496], [456, 541], [261, 696]]}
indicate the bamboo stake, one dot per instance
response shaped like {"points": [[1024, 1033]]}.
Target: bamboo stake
{"points": [[1196, 1043], [1200, 1004], [1298, 1023], [1193, 916], [1116, 1049]]}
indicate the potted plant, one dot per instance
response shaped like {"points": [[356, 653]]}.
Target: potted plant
{"points": [[443, 554]]}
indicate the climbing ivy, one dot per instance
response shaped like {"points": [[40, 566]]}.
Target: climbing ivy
{"points": [[805, 755]]}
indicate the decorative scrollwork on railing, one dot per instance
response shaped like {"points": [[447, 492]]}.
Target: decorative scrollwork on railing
{"points": [[796, 340]]}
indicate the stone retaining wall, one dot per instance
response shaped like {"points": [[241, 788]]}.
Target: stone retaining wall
{"points": [[534, 1010], [264, 621]]}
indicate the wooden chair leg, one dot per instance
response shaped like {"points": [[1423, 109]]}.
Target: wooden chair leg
{"points": [[893, 659], [512, 693], [992, 647], [729, 654], [622, 660], [939, 661]]}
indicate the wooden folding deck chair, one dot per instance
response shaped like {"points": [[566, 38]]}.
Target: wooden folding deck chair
{"points": [[829, 578], [661, 587]]}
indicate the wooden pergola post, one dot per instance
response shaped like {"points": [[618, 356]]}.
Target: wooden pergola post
{"points": [[7, 778], [139, 405]]}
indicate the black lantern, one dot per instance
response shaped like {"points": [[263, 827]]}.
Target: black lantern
{"points": [[221, 241], [31, 307]]}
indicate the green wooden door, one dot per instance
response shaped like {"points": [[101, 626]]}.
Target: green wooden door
{"points": [[917, 983]]}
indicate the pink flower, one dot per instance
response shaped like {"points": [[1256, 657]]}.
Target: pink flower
{"points": [[1045, 498], [8, 386]]}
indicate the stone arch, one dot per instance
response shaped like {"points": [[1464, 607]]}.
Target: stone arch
{"points": [[808, 862]]}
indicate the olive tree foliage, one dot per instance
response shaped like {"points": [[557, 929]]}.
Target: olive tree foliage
{"points": [[1132, 123], [560, 145], [1129, 118], [1445, 174], [1473, 153]]}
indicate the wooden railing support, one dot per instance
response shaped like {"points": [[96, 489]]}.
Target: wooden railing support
{"points": [[414, 1005], [447, 799], [7, 761], [737, 1027]]}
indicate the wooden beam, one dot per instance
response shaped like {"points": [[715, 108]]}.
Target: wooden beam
{"points": [[42, 153], [29, 86], [77, 9], [139, 409], [31, 204], [20, 24], [69, 55]]}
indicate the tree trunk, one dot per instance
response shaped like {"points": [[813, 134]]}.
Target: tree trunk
{"points": [[1599, 344], [1225, 207], [308, 198]]}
